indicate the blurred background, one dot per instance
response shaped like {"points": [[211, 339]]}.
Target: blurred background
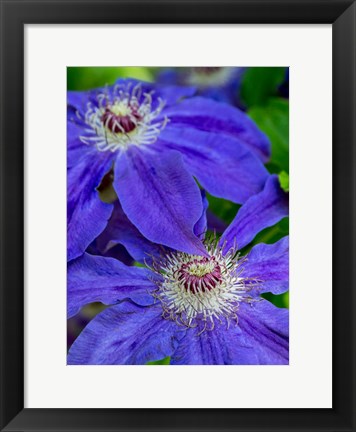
{"points": [[262, 92]]}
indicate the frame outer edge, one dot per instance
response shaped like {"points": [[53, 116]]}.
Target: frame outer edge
{"points": [[344, 216], [11, 218]]}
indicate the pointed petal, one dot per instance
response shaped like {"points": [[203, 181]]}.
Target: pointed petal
{"points": [[259, 212], [220, 346], [211, 116], [269, 263], [266, 329], [87, 215], [261, 337], [223, 165], [93, 278], [126, 334], [160, 198]]}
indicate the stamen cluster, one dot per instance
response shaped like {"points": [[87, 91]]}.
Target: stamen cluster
{"points": [[124, 118], [200, 290], [210, 76]]}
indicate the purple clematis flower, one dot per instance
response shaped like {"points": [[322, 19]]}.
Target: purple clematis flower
{"points": [[218, 83], [154, 142], [195, 309]]}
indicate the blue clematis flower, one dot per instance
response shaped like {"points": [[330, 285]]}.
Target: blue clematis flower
{"points": [[218, 83], [195, 309], [154, 142]]}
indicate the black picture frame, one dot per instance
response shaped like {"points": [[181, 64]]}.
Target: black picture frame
{"points": [[14, 15]]}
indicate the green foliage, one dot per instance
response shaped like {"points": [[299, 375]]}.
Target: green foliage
{"points": [[223, 209], [284, 181], [165, 361], [85, 78], [281, 300], [273, 119], [261, 83]]}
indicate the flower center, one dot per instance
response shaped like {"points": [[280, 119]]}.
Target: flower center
{"points": [[202, 291], [200, 274], [206, 70], [120, 118], [210, 76], [123, 117]]}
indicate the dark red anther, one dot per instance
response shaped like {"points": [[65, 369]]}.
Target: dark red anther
{"points": [[204, 283], [120, 124]]}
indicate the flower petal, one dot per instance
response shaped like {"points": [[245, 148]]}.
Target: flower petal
{"points": [[211, 116], [259, 212], [222, 164], [160, 197], [126, 334], [87, 215], [76, 149], [266, 329], [120, 230], [261, 337], [201, 226], [270, 264], [220, 346], [77, 101], [100, 279]]}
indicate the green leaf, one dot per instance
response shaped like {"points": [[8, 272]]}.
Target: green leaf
{"points": [[224, 209], [273, 119], [261, 83], [284, 181], [165, 361], [85, 78], [281, 300]]}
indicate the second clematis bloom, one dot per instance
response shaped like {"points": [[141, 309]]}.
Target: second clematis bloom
{"points": [[154, 140], [195, 309], [218, 83]]}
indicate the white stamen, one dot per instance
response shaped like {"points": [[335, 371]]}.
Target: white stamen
{"points": [[202, 290], [123, 101]]}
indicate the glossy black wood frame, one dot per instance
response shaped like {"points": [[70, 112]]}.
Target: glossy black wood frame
{"points": [[14, 14]]}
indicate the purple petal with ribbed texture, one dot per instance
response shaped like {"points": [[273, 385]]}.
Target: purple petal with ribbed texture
{"points": [[223, 165], [92, 278], [266, 329], [211, 116], [260, 338], [160, 198], [87, 215], [269, 263], [126, 334], [259, 212], [221, 346]]}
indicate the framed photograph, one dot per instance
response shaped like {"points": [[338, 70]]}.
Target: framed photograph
{"points": [[177, 215]]}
